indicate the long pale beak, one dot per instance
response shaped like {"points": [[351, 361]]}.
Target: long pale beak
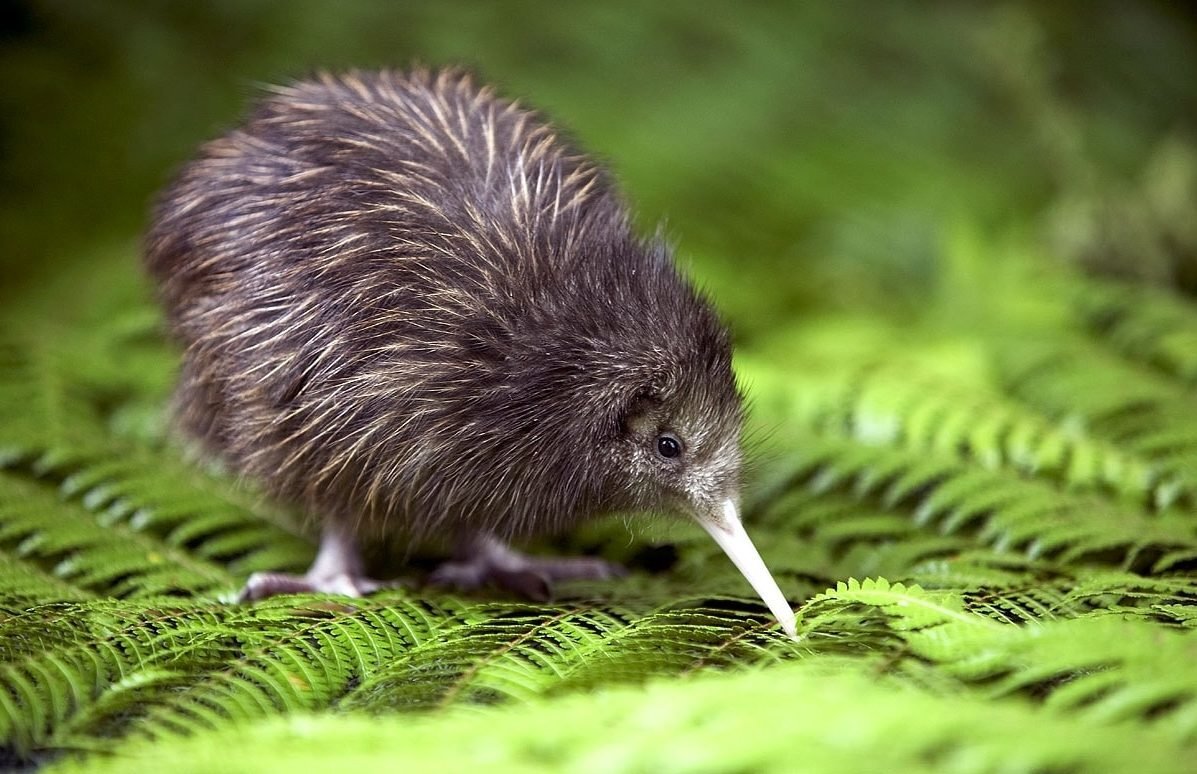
{"points": [[725, 527]]}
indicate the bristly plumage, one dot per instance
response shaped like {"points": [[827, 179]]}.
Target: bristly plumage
{"points": [[407, 304]]}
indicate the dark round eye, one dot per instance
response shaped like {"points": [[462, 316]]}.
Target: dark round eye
{"points": [[668, 446]]}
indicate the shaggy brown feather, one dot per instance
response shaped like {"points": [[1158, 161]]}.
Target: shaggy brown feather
{"points": [[408, 304]]}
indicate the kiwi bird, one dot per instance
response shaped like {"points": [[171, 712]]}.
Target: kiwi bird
{"points": [[409, 307]]}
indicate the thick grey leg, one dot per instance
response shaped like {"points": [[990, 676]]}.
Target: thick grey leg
{"points": [[483, 560], [337, 570]]}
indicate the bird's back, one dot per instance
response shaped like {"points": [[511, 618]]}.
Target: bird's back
{"points": [[423, 176]]}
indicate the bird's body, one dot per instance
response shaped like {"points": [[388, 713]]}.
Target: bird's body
{"points": [[408, 306]]}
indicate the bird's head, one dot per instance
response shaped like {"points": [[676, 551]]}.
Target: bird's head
{"points": [[676, 448]]}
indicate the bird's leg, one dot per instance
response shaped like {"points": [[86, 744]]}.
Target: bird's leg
{"points": [[483, 560], [337, 570]]}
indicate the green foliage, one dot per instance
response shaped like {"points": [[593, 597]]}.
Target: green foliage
{"points": [[975, 469], [796, 717], [1040, 556]]}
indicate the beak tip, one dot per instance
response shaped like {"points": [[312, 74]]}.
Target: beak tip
{"points": [[729, 533], [789, 626]]}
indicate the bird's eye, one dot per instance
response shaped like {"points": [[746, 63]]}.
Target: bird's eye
{"points": [[668, 446]]}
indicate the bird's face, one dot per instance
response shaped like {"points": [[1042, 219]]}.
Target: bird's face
{"points": [[680, 456], [681, 453]]}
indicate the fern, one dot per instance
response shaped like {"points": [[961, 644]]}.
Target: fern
{"points": [[1047, 557], [798, 716], [1007, 513], [890, 405], [1151, 327], [1115, 675], [1142, 411], [94, 555]]}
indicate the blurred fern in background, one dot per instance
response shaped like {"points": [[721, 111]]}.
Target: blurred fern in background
{"points": [[958, 244]]}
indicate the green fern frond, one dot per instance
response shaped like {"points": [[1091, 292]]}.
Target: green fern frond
{"points": [[513, 655], [1145, 413], [798, 716], [1145, 324], [107, 558], [892, 404], [1099, 668], [182, 508], [318, 652], [1005, 512]]}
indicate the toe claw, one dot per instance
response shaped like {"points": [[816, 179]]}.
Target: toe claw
{"points": [[262, 585], [457, 575], [528, 583], [530, 577], [580, 568]]}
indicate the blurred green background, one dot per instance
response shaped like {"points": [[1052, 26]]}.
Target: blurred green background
{"points": [[805, 156]]}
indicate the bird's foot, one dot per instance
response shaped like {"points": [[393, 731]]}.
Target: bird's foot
{"points": [[488, 562], [337, 570], [268, 584]]}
